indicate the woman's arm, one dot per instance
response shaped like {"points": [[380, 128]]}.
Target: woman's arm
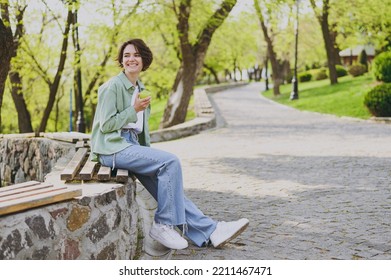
{"points": [[110, 119]]}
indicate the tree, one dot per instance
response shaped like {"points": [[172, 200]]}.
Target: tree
{"points": [[329, 37], [54, 83], [363, 59], [24, 117], [6, 45], [232, 50], [277, 76], [193, 55], [81, 127], [367, 23]]}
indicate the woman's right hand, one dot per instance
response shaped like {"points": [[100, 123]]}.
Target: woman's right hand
{"points": [[141, 104]]}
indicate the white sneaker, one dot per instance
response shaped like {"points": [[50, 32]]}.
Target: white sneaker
{"points": [[226, 231], [167, 236]]}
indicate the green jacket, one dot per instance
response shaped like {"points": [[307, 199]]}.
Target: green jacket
{"points": [[113, 111]]}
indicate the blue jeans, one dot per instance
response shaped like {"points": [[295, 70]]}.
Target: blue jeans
{"points": [[160, 173]]}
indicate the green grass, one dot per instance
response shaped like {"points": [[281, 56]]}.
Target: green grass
{"points": [[157, 111], [343, 99]]}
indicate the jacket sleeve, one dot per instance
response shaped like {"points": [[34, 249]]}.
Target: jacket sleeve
{"points": [[110, 119]]}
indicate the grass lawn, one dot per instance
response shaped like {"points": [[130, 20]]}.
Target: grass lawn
{"points": [[343, 99]]}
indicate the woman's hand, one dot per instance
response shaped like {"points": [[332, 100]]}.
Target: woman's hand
{"points": [[141, 104]]}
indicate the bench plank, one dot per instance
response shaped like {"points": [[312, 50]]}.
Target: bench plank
{"points": [[20, 135], [39, 199], [73, 166], [18, 186], [79, 144], [45, 189], [88, 170], [122, 175], [4, 196], [104, 173], [72, 137]]}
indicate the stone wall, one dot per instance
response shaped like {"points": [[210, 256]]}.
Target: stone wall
{"points": [[90, 227], [25, 159], [100, 224]]}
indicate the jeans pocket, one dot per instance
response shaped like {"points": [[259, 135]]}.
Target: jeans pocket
{"points": [[130, 136]]}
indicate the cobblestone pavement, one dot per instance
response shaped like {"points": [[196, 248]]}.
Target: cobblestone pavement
{"points": [[313, 186]]}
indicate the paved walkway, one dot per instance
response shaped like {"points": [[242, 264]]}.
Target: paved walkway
{"points": [[313, 186]]}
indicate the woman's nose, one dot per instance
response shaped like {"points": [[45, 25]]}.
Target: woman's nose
{"points": [[130, 58]]}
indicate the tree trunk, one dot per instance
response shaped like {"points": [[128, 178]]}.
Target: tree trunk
{"points": [[337, 58], [213, 72], [24, 117], [53, 87], [328, 39], [276, 69], [6, 45], [193, 55], [179, 99], [330, 51]]}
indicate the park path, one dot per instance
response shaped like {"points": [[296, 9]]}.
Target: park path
{"points": [[313, 186]]}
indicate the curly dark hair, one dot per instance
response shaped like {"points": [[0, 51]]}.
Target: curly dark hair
{"points": [[141, 47]]}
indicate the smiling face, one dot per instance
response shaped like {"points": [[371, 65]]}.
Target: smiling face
{"points": [[131, 60]]}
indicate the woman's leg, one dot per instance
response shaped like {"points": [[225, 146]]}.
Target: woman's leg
{"points": [[199, 226], [161, 174], [164, 169]]}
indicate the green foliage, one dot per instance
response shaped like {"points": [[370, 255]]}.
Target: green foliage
{"points": [[357, 70], [378, 100], [238, 41], [382, 67], [230, 49], [304, 77], [321, 74], [341, 71]]}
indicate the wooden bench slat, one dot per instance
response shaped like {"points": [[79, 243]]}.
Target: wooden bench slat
{"points": [[72, 167], [24, 203], [79, 144], [81, 168], [20, 135], [18, 191], [88, 170], [45, 189], [122, 175], [18, 186], [104, 173], [72, 137]]}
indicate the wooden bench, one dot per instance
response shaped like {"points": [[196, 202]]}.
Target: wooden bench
{"points": [[32, 194], [80, 168]]}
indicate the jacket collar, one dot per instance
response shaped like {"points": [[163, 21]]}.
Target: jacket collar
{"points": [[128, 84]]}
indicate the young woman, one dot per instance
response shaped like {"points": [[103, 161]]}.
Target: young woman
{"points": [[120, 139]]}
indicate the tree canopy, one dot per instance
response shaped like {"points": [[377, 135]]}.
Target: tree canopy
{"points": [[38, 50]]}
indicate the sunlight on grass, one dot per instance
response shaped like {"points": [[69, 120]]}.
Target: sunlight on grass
{"points": [[343, 99]]}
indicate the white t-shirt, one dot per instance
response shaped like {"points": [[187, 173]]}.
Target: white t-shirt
{"points": [[138, 126]]}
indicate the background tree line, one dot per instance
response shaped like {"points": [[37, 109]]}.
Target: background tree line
{"points": [[50, 47]]}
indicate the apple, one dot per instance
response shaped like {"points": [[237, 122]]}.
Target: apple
{"points": [[144, 94]]}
